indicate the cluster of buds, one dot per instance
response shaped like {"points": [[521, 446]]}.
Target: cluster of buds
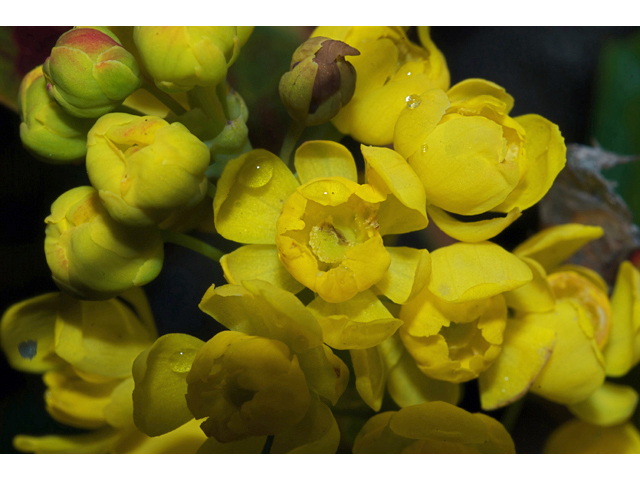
{"points": [[318, 288]]}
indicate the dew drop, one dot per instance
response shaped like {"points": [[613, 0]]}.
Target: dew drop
{"points": [[506, 379], [256, 173], [413, 101], [181, 362]]}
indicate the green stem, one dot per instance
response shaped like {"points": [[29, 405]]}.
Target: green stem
{"points": [[164, 97], [210, 104], [221, 92], [511, 415], [290, 141], [192, 243]]}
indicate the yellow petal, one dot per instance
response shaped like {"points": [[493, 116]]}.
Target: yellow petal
{"points": [[317, 159], [464, 166], [160, 373], [477, 231], [546, 155], [100, 338], [438, 421], [576, 368], [407, 275], [258, 262], [371, 375], [376, 437], [499, 439], [611, 404], [72, 401], [100, 441], [316, 433], [474, 87], [535, 296], [361, 322], [185, 439], [554, 245], [577, 436], [390, 174], [470, 271], [119, 412], [326, 374], [525, 350], [622, 350], [261, 309], [249, 197], [407, 385], [27, 334], [418, 120]]}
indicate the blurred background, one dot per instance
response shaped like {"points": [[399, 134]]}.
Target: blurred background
{"points": [[585, 79]]}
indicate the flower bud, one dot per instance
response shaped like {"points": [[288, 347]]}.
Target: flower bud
{"points": [[320, 81], [89, 73], [91, 256], [145, 168], [247, 386], [47, 131], [179, 58]]}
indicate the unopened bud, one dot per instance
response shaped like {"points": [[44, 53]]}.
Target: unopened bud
{"points": [[320, 81]]}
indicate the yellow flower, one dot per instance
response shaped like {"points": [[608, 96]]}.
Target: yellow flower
{"points": [[92, 256], [454, 328], [145, 168], [265, 377], [46, 130], [323, 230], [577, 436], [473, 158], [561, 321], [89, 73], [389, 68], [434, 427], [246, 386], [179, 58], [454, 342], [85, 351]]}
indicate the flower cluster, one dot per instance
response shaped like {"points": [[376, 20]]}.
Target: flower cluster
{"points": [[328, 316]]}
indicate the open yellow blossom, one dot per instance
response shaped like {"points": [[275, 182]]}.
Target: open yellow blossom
{"points": [[454, 342], [473, 158], [454, 327], [434, 427], [561, 322], [92, 256], [85, 351], [323, 230], [145, 168], [264, 377], [390, 68]]}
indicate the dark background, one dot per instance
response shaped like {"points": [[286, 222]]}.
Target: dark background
{"points": [[548, 70]]}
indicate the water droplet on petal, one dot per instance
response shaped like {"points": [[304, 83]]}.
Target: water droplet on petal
{"points": [[256, 172], [413, 101], [506, 379], [181, 362]]}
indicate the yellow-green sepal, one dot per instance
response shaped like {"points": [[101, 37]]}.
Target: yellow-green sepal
{"points": [[160, 375]]}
